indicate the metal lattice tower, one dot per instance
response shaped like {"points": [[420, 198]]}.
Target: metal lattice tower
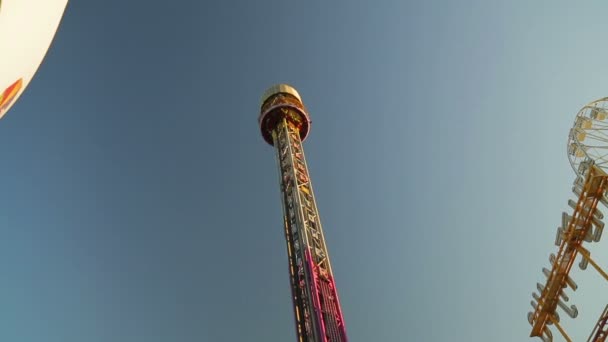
{"points": [[285, 123]]}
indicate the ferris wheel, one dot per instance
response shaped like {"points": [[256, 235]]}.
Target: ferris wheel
{"points": [[588, 138]]}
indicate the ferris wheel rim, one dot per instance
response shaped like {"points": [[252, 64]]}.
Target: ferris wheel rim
{"points": [[577, 151]]}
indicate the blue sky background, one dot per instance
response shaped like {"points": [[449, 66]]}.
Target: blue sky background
{"points": [[140, 203]]}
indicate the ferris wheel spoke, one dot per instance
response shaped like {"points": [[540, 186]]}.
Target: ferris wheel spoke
{"points": [[600, 156], [599, 135], [593, 139], [600, 132], [601, 160], [594, 146], [601, 164]]}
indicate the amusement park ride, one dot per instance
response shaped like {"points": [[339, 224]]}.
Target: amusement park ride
{"points": [[27, 28], [588, 155], [284, 124]]}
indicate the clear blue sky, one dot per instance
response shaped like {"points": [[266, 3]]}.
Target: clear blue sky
{"points": [[140, 203]]}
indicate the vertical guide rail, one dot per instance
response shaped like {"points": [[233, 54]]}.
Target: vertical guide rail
{"points": [[291, 228]]}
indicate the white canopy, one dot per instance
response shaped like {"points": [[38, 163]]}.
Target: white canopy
{"points": [[27, 28]]}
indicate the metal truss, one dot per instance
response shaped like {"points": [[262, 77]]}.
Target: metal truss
{"points": [[316, 307], [576, 229]]}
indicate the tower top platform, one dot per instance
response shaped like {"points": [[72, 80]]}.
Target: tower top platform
{"points": [[278, 89], [282, 102]]}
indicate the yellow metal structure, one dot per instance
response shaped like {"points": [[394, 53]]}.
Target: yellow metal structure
{"points": [[585, 253], [576, 229], [561, 330]]}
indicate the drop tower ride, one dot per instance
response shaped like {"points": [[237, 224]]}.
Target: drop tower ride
{"points": [[285, 123]]}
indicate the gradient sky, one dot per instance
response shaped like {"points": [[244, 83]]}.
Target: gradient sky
{"points": [[140, 203]]}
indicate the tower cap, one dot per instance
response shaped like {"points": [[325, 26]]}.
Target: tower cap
{"points": [[280, 88]]}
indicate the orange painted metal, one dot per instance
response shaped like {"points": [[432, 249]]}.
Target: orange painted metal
{"points": [[593, 189]]}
